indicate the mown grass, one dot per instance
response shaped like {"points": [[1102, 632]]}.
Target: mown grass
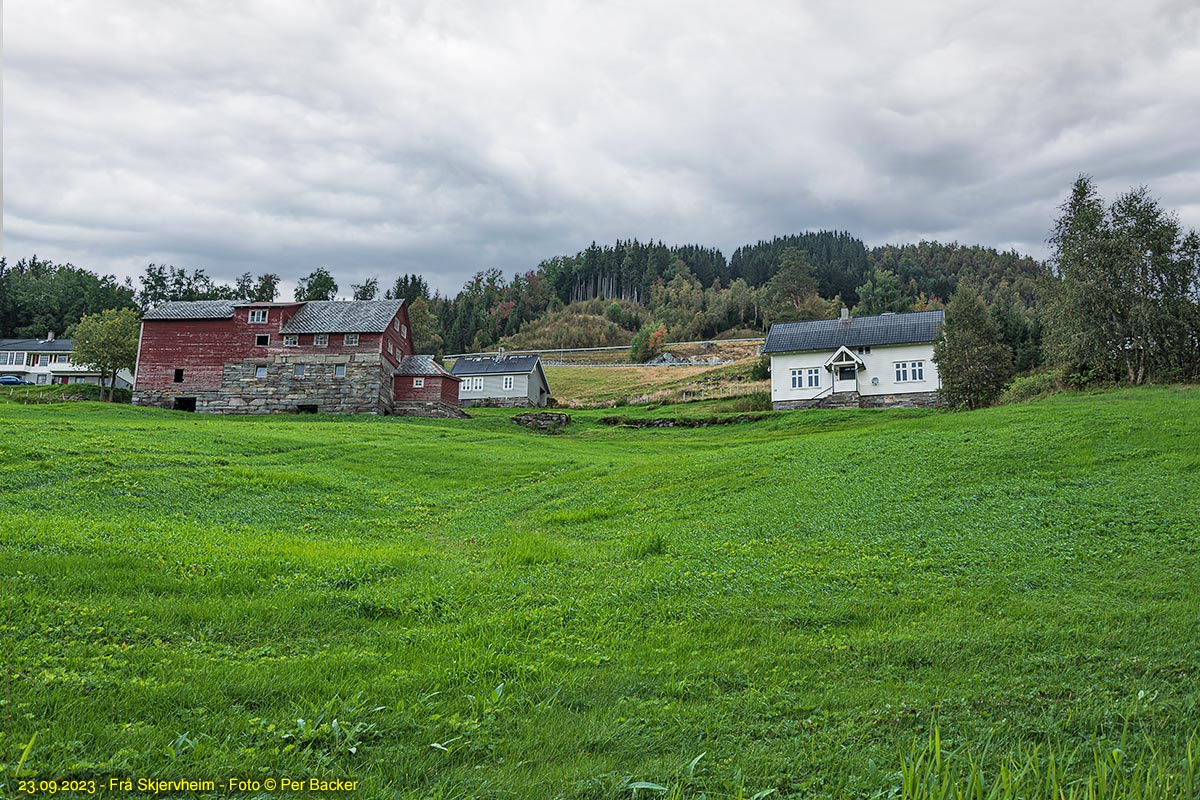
{"points": [[489, 612]]}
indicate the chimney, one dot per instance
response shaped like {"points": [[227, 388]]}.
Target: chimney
{"points": [[845, 314], [50, 336]]}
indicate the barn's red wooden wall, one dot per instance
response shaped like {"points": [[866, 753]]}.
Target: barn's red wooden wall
{"points": [[437, 388]]}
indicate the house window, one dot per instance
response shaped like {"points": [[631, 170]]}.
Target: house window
{"points": [[262, 339], [298, 370], [291, 340], [60, 359], [339, 370], [321, 340], [814, 377], [508, 383], [178, 376], [864, 351], [260, 372], [258, 315], [351, 339], [908, 371], [43, 360], [41, 380], [390, 350], [797, 379], [418, 383]]}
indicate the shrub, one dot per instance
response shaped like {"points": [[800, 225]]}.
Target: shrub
{"points": [[761, 371], [755, 401], [1031, 387]]}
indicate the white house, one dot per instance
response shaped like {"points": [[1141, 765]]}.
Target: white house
{"points": [[45, 361], [855, 362], [509, 381]]}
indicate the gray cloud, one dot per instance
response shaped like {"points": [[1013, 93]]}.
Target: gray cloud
{"points": [[377, 138]]}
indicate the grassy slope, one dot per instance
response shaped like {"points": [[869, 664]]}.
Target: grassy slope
{"points": [[598, 385], [796, 598]]}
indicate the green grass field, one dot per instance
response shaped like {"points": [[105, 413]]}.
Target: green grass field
{"points": [[465, 608]]}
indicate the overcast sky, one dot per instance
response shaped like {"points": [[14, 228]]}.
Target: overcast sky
{"points": [[377, 138]]}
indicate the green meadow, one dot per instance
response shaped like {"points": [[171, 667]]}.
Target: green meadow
{"points": [[808, 604]]}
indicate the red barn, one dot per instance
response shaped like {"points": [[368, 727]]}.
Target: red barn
{"points": [[224, 356], [422, 387]]}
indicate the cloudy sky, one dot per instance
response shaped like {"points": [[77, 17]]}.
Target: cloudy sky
{"points": [[376, 138]]}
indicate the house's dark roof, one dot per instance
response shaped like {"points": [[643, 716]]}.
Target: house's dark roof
{"points": [[422, 365], [193, 309], [830, 334], [343, 316], [495, 365], [37, 345]]}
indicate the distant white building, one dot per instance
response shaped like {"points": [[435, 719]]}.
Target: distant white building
{"points": [[47, 361], [509, 381], [855, 362]]}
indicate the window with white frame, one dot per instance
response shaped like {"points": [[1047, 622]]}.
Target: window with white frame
{"points": [[404, 331], [321, 340], [395, 324], [41, 380], [473, 384], [813, 377], [260, 372], [390, 350], [351, 339], [418, 383], [909, 371], [43, 360], [291, 340], [339, 370], [257, 316], [508, 383], [797, 379]]}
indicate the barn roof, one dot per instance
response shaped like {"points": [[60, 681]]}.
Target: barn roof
{"points": [[343, 316], [422, 365], [830, 334], [495, 365], [193, 309], [37, 345]]}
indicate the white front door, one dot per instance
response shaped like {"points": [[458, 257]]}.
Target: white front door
{"points": [[845, 378]]}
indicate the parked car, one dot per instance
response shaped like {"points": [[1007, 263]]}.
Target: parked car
{"points": [[13, 380]]}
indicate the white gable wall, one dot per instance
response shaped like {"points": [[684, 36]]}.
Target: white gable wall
{"points": [[880, 363]]}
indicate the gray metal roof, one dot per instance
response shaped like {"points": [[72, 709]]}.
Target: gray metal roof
{"points": [[830, 334], [495, 365], [421, 365], [343, 316], [37, 345], [193, 309]]}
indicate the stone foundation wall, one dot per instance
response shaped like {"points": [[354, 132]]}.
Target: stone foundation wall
{"points": [[500, 402], [364, 389], [435, 408], [909, 400]]}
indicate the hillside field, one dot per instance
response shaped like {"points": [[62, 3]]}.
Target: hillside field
{"points": [[463, 608]]}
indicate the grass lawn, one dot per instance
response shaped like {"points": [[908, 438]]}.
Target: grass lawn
{"points": [[465, 608]]}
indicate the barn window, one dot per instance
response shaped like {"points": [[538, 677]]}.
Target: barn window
{"points": [[404, 331], [351, 339], [291, 340], [258, 315], [260, 372], [262, 339], [178, 376], [418, 383], [391, 350], [395, 324], [321, 340], [508, 383], [339, 370], [298, 370]]}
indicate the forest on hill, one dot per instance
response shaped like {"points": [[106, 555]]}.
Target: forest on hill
{"points": [[601, 295]]}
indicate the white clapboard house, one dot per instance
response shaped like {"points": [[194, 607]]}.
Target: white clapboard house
{"points": [[855, 362]]}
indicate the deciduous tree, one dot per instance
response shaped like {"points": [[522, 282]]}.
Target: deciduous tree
{"points": [[106, 342], [973, 361]]}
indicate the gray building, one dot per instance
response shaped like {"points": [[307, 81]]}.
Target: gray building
{"points": [[505, 381]]}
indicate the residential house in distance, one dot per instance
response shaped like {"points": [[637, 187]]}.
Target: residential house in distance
{"points": [[516, 381], [48, 361], [855, 362], [234, 357]]}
